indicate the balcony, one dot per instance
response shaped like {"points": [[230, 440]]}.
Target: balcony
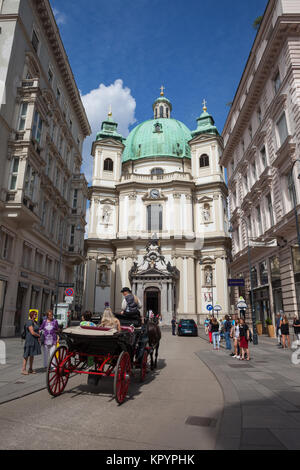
{"points": [[164, 178]]}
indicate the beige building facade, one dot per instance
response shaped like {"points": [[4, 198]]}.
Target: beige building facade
{"points": [[262, 142], [158, 217], [42, 192]]}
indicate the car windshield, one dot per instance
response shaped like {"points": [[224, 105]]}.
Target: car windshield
{"points": [[187, 322]]}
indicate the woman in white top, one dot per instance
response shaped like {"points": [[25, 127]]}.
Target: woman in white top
{"points": [[235, 333]]}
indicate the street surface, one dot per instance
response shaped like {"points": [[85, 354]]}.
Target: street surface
{"points": [[197, 399], [154, 417]]}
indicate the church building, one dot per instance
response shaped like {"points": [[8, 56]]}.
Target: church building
{"points": [[158, 217]]}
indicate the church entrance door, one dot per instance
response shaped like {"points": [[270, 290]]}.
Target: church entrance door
{"points": [[152, 300]]}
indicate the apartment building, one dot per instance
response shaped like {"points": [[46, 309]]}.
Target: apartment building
{"points": [[42, 191], [262, 156]]}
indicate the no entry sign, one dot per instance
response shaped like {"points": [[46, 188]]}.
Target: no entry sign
{"points": [[69, 292]]}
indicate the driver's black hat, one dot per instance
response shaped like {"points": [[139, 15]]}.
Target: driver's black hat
{"points": [[125, 289]]}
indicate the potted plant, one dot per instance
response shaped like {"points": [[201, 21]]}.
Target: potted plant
{"points": [[271, 329], [259, 327]]}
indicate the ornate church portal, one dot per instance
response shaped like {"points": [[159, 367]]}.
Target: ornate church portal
{"points": [[154, 282], [158, 217]]}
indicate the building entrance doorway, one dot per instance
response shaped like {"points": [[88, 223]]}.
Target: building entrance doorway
{"points": [[152, 300]]}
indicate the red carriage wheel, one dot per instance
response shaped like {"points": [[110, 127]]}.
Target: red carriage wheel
{"points": [[122, 377], [144, 366], [57, 378]]}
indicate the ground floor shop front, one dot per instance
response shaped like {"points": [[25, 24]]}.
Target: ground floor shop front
{"points": [[275, 282]]}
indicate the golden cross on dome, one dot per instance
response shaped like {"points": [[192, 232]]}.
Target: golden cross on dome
{"points": [[204, 105], [162, 88], [109, 111]]}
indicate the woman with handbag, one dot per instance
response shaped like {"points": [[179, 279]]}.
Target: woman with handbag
{"points": [[32, 346], [48, 330]]}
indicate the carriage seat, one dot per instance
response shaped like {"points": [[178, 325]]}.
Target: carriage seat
{"points": [[129, 329]]}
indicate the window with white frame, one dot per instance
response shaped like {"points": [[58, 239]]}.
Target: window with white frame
{"points": [[270, 209], [6, 244], [22, 116], [44, 212], [154, 217], [72, 235], [37, 127], [35, 41], [75, 198], [30, 180], [27, 256], [253, 169], [277, 82], [291, 189], [50, 76], [14, 174], [263, 156], [204, 161], [259, 221], [282, 129]]}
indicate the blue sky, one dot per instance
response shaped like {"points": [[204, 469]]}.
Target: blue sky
{"points": [[122, 51]]}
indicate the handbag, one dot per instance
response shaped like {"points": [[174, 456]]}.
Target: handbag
{"points": [[42, 337]]}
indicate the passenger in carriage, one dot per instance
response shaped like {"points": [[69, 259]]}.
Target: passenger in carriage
{"points": [[86, 319], [109, 320]]}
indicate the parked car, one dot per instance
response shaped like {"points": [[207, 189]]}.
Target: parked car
{"points": [[187, 327]]}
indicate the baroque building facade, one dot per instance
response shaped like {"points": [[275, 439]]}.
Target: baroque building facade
{"points": [[158, 217], [42, 191], [262, 149]]}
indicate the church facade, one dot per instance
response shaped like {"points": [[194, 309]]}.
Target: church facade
{"points": [[158, 217]]}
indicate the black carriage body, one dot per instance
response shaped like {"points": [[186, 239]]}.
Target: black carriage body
{"points": [[100, 345]]}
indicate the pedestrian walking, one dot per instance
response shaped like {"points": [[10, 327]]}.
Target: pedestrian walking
{"points": [[244, 339], [227, 331], [206, 325], [210, 330], [235, 333], [48, 330], [279, 318], [215, 333], [173, 322], [284, 326], [32, 346], [296, 326]]}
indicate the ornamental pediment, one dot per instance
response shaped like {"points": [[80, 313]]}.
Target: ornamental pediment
{"points": [[106, 200], [204, 199]]}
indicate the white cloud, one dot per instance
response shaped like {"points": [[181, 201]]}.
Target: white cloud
{"points": [[59, 16], [96, 104]]}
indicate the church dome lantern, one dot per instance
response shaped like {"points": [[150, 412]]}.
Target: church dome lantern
{"points": [[162, 107]]}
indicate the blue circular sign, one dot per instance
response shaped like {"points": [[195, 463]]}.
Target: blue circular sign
{"points": [[209, 307]]}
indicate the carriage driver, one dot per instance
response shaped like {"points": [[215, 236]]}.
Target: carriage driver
{"points": [[130, 306], [130, 310]]}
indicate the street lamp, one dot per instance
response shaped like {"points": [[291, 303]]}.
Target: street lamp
{"points": [[295, 200]]}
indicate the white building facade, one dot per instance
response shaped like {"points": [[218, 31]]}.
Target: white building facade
{"points": [[42, 192], [262, 142], [158, 217]]}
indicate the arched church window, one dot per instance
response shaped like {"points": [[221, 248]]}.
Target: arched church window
{"points": [[204, 161], [161, 111], [157, 171], [154, 217], [108, 164], [155, 113]]}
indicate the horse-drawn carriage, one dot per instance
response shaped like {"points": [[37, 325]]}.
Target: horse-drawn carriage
{"points": [[99, 352]]}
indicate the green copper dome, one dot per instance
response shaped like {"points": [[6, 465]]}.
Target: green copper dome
{"points": [[158, 138]]}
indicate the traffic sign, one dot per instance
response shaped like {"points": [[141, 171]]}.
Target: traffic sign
{"points": [[69, 292], [69, 300], [209, 307], [66, 284], [236, 282]]}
